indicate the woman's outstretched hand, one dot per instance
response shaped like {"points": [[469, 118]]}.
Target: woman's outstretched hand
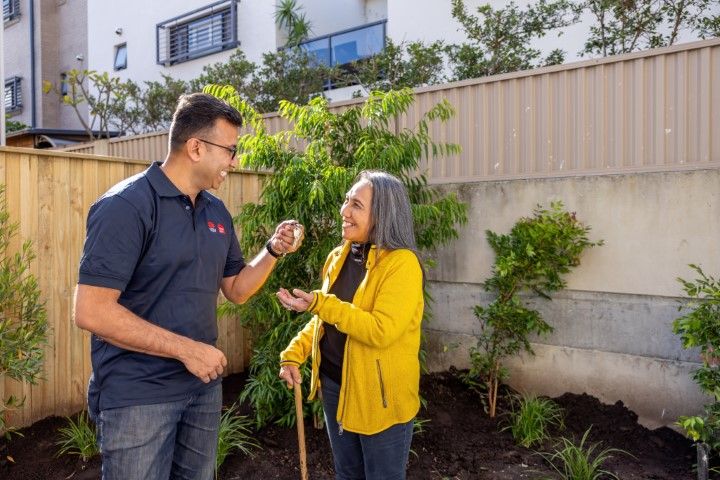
{"points": [[297, 301]]}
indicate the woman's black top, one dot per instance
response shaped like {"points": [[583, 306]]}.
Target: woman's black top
{"points": [[332, 344]]}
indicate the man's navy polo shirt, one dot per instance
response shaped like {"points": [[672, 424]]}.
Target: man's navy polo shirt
{"points": [[167, 258]]}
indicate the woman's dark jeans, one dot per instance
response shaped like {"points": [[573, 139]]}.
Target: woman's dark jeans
{"points": [[382, 456]]}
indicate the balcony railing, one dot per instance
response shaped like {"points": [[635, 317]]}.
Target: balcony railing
{"points": [[347, 46], [201, 32]]}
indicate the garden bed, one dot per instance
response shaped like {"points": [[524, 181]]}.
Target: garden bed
{"points": [[459, 442]]}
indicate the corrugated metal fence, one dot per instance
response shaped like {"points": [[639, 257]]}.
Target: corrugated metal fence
{"points": [[49, 194], [646, 111]]}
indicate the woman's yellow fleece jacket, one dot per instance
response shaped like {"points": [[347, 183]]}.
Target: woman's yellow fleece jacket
{"points": [[381, 369]]}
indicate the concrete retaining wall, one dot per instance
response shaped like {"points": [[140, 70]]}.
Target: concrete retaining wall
{"points": [[613, 325]]}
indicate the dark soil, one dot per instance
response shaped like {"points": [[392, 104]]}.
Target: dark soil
{"points": [[459, 442]]}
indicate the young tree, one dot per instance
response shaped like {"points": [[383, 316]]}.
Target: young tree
{"points": [[313, 166], [500, 39], [532, 258], [23, 319]]}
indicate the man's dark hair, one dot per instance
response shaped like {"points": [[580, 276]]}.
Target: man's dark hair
{"points": [[197, 113]]}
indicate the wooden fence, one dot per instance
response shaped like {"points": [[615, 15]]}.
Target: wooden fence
{"points": [[49, 193], [640, 112]]}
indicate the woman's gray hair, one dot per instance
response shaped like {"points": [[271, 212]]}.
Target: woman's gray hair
{"points": [[390, 213]]}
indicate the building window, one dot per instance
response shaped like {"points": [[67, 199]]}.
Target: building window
{"points": [[11, 10], [204, 31], [343, 48], [13, 94], [120, 62]]}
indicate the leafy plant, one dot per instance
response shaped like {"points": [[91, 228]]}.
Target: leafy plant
{"points": [[234, 434], [623, 27], [78, 438], [700, 328], [580, 462], [402, 65], [533, 258], [289, 17], [14, 126], [499, 40], [313, 166], [531, 418], [23, 318]]}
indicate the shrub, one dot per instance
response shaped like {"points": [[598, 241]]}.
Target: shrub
{"points": [[23, 318], [532, 258], [531, 418], [78, 438], [700, 328]]}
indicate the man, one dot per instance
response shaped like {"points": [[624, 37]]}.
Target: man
{"points": [[158, 249]]}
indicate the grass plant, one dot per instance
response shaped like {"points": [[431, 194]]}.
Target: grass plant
{"points": [[234, 434], [582, 461], [531, 418], [78, 438]]}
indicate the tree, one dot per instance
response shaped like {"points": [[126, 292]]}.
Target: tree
{"points": [[289, 17], [23, 319], [104, 95], [403, 65], [291, 74], [532, 258], [500, 39], [627, 26], [308, 184], [158, 101]]}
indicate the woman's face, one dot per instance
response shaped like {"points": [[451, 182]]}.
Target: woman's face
{"points": [[355, 212]]}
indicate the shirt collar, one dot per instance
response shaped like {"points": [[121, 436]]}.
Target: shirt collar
{"points": [[163, 186]]}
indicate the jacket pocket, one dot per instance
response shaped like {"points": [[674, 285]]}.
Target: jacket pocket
{"points": [[382, 383]]}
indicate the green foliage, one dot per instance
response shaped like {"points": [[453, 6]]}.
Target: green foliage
{"points": [[314, 165], [234, 434], [157, 104], [78, 438], [23, 318], [291, 75], [414, 64], [700, 328], [13, 126], [500, 39], [531, 418], [532, 258], [290, 18], [580, 462], [623, 27]]}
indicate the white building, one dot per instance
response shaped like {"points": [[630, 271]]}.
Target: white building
{"points": [[178, 38], [144, 39]]}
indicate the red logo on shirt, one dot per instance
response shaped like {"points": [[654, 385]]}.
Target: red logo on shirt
{"points": [[211, 226], [221, 228]]}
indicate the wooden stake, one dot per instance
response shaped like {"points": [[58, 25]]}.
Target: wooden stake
{"points": [[301, 431]]}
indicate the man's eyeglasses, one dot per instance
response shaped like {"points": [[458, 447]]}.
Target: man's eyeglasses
{"points": [[232, 150]]}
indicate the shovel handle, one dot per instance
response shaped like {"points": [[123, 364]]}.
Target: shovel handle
{"points": [[301, 431]]}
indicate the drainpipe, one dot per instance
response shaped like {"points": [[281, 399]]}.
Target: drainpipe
{"points": [[32, 63]]}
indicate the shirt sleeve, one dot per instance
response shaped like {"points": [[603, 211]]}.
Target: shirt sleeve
{"points": [[114, 244], [235, 261]]}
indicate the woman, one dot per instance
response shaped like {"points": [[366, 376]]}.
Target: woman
{"points": [[364, 338]]}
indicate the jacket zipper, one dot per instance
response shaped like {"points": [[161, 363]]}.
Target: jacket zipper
{"points": [[382, 384], [345, 396]]}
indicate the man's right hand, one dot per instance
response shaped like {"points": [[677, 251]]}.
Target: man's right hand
{"points": [[291, 374], [204, 361]]}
